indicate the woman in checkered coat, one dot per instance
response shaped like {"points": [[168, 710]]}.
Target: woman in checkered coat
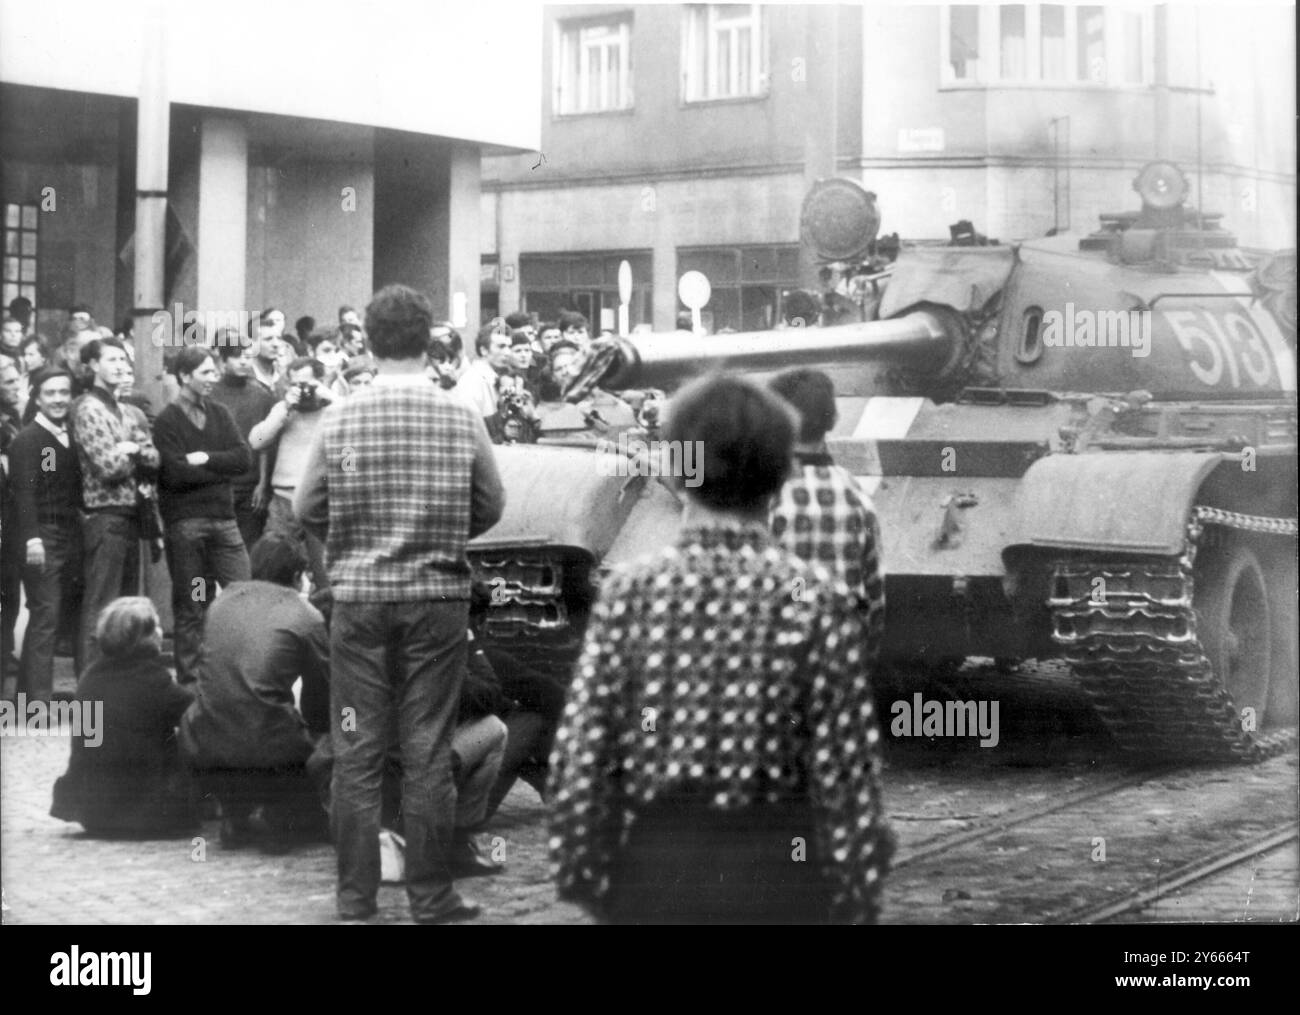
{"points": [[718, 756]]}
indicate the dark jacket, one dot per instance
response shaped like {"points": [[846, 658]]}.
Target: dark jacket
{"points": [[258, 639], [46, 479], [132, 782], [199, 491]]}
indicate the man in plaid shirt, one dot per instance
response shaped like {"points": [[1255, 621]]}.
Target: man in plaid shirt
{"points": [[822, 514], [400, 477]]}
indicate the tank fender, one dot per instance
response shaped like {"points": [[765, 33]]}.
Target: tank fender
{"points": [[560, 497], [1132, 502]]}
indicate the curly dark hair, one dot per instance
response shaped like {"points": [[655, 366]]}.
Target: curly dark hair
{"points": [[745, 435], [812, 393], [398, 321]]}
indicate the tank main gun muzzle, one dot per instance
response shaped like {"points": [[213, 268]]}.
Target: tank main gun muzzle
{"points": [[921, 340]]}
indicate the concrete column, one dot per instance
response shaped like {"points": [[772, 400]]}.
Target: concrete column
{"points": [[153, 128], [223, 213], [463, 239], [508, 224], [427, 221], [152, 158], [411, 215]]}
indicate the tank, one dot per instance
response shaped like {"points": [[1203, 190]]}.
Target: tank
{"points": [[1079, 448]]}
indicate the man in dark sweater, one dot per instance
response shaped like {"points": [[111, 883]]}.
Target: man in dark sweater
{"points": [[201, 452], [249, 403], [11, 555], [47, 490]]}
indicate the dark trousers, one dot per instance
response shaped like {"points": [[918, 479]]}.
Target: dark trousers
{"points": [[250, 522], [201, 554], [529, 736], [12, 554], [111, 545], [281, 520], [48, 589], [290, 801], [685, 862], [411, 658], [531, 725]]}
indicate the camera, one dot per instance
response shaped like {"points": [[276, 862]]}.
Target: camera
{"points": [[517, 425], [308, 400]]}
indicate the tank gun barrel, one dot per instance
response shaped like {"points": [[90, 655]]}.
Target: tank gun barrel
{"points": [[919, 339]]}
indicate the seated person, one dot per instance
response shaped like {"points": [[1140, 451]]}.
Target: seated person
{"points": [[528, 701], [125, 776], [533, 705], [477, 749], [246, 741]]}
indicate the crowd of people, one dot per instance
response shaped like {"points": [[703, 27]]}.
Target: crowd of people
{"points": [[313, 494]]}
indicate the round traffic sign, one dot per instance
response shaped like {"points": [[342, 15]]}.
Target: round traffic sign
{"points": [[624, 282], [694, 289]]}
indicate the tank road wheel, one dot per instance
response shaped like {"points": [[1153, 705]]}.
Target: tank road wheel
{"points": [[1235, 625], [1284, 687]]}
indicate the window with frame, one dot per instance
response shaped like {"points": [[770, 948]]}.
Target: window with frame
{"points": [[588, 283], [747, 283], [724, 55], [21, 228], [1109, 45], [593, 65]]}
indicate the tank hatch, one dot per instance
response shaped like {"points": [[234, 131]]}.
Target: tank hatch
{"points": [[1166, 233]]}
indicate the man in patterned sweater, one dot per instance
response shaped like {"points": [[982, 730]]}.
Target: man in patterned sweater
{"points": [[823, 515], [115, 449]]}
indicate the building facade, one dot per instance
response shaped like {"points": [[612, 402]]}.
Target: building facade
{"points": [[265, 158], [685, 137]]}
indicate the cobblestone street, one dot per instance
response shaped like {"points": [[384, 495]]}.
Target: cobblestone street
{"points": [[53, 873]]}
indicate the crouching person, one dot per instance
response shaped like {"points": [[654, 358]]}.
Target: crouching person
{"points": [[125, 776], [478, 748], [243, 736]]}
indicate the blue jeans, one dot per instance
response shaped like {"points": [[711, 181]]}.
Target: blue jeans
{"points": [[112, 557], [409, 658], [47, 589], [210, 549]]}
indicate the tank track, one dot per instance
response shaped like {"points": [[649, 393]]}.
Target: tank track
{"points": [[1132, 643]]}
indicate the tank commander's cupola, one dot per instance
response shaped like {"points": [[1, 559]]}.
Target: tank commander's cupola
{"points": [[1166, 234]]}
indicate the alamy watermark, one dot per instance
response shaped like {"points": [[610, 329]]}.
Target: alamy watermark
{"points": [[75, 968], [179, 327], [40, 718], [633, 456], [921, 718], [1098, 329]]}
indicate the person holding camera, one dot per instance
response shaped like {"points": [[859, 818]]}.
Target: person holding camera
{"points": [[289, 430], [490, 387]]}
